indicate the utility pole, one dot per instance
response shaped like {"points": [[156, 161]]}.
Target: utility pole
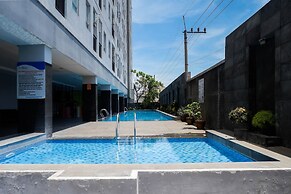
{"points": [[186, 42]]}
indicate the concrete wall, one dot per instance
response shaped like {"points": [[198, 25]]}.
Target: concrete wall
{"points": [[257, 68], [213, 106], [256, 73], [153, 182], [176, 91], [35, 183], [215, 182]]}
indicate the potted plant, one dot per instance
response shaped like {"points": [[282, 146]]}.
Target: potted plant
{"points": [[239, 116], [181, 113], [189, 116], [199, 122], [265, 121]]}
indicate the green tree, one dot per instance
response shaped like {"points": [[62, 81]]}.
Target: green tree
{"points": [[146, 86]]}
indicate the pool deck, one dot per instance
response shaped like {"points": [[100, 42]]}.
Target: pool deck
{"points": [[143, 128], [145, 178], [131, 175]]}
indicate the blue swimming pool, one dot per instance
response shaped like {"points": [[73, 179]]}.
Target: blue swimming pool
{"points": [[141, 115], [125, 151]]}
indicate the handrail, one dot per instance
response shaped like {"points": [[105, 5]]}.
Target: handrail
{"points": [[134, 127], [117, 126], [101, 112]]}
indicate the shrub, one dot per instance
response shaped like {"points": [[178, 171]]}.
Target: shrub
{"points": [[198, 115], [188, 112], [180, 111], [263, 119], [238, 115]]}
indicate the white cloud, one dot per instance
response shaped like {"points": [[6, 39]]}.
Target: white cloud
{"points": [[158, 11]]}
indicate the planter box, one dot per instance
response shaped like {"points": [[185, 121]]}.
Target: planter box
{"points": [[190, 120], [240, 133], [200, 124], [264, 140]]}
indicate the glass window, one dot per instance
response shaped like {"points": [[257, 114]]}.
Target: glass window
{"points": [[109, 49], [60, 6], [104, 42], [75, 6], [94, 30], [100, 4], [100, 38], [88, 15], [109, 11], [104, 4]]}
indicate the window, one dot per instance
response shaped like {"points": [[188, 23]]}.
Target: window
{"points": [[88, 15], [113, 32], [75, 6], [60, 6], [104, 42], [118, 12], [94, 30], [104, 4], [100, 38], [109, 49], [100, 4], [113, 58], [109, 11]]}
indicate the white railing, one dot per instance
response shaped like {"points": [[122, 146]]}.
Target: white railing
{"points": [[101, 113], [134, 127], [117, 126]]}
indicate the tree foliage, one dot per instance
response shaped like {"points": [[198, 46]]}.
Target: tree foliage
{"points": [[146, 87]]}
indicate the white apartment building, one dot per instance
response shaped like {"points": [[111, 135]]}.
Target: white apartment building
{"points": [[62, 60]]}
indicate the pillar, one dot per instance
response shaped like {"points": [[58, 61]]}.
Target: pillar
{"points": [[115, 101], [121, 102], [105, 98], [125, 101], [34, 89], [90, 97]]}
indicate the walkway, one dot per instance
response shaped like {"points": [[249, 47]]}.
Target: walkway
{"points": [[144, 128]]}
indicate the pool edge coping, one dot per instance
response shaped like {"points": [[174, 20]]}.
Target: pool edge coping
{"points": [[283, 163]]}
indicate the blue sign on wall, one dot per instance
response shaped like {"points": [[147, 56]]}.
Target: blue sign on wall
{"points": [[31, 80]]}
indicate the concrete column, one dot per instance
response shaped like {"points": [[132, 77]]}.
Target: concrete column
{"points": [[125, 102], [34, 89], [90, 97], [121, 102], [115, 101], [105, 98]]}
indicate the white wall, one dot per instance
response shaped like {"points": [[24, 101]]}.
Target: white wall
{"points": [[76, 24]]}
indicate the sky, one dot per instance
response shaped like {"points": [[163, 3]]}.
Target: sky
{"points": [[157, 37]]}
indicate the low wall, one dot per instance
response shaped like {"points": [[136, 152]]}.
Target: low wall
{"points": [[235, 181], [215, 182]]}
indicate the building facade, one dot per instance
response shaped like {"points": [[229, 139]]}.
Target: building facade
{"points": [[256, 72], [63, 59]]}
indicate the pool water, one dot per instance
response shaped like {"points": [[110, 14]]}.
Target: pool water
{"points": [[141, 115], [125, 151]]}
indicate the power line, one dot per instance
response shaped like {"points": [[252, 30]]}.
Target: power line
{"points": [[207, 55], [208, 6], [212, 12], [190, 38], [163, 67], [203, 13], [207, 25], [219, 13]]}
